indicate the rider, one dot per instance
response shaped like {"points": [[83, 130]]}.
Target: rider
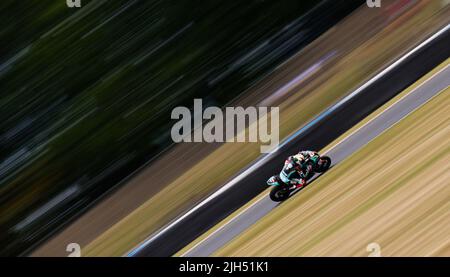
{"points": [[296, 170]]}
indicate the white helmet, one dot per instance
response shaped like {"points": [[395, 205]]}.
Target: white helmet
{"points": [[299, 158]]}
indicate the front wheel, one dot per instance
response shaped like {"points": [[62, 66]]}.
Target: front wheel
{"points": [[279, 194], [324, 164]]}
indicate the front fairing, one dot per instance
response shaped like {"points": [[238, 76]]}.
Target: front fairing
{"points": [[273, 181]]}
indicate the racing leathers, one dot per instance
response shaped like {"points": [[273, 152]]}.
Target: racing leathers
{"points": [[292, 174], [295, 170]]}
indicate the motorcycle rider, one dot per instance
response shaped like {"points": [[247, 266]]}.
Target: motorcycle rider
{"points": [[296, 169], [305, 156]]}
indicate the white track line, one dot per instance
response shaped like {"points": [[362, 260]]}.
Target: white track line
{"points": [[385, 110], [307, 126], [325, 153], [225, 224]]}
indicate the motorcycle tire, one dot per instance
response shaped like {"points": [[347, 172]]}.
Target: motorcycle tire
{"points": [[279, 194], [325, 165]]}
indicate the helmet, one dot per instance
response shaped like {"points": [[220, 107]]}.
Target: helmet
{"points": [[298, 159]]}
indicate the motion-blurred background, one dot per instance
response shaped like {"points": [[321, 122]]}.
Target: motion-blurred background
{"points": [[86, 97]]}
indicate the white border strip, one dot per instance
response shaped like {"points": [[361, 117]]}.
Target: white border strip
{"points": [[388, 108], [224, 225]]}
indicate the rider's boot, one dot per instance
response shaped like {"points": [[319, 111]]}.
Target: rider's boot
{"points": [[298, 184]]}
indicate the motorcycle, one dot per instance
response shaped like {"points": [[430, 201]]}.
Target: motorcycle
{"points": [[282, 191]]}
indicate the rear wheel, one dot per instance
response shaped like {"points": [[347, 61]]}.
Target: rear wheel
{"points": [[324, 164], [279, 194]]}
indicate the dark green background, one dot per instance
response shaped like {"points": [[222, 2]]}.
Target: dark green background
{"points": [[86, 94]]}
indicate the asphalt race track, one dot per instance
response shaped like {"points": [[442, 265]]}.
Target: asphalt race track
{"points": [[324, 130], [345, 148]]}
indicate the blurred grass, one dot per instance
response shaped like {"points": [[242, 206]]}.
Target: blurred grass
{"points": [[331, 145], [300, 107], [394, 191], [87, 93]]}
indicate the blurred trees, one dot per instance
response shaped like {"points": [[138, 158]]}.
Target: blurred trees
{"points": [[86, 94]]}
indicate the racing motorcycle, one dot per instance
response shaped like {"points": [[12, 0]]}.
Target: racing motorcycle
{"points": [[282, 191]]}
